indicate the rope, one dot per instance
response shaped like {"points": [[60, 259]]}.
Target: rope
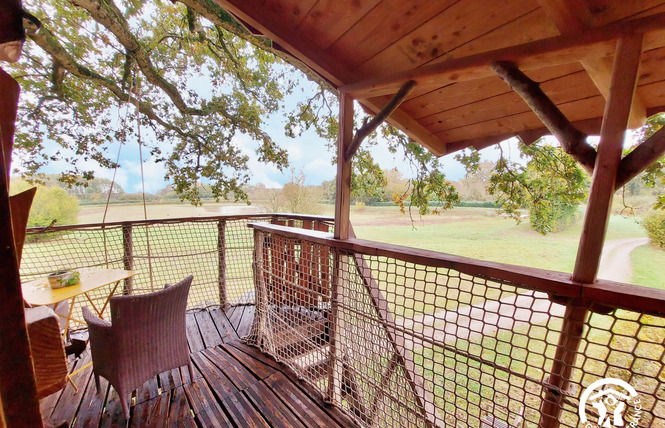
{"points": [[145, 211], [115, 171]]}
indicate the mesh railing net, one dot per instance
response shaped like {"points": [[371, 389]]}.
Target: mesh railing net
{"points": [[409, 345], [176, 249]]}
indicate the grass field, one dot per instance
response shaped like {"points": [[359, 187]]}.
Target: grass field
{"points": [[470, 232]]}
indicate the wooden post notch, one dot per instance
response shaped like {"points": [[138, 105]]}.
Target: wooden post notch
{"points": [[370, 125]]}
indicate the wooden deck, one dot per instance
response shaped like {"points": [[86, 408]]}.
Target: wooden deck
{"points": [[236, 386]]}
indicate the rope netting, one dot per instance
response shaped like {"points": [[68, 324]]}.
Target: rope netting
{"points": [[396, 343], [217, 251]]}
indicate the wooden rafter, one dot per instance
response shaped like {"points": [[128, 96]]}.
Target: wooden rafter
{"points": [[528, 136], [644, 155], [573, 17], [250, 11], [593, 43], [572, 140], [369, 126]]}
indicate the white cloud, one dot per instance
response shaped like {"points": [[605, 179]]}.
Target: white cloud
{"points": [[153, 176]]}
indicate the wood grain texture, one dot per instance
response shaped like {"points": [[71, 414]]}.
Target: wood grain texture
{"points": [[594, 43], [18, 392], [463, 21], [571, 16], [327, 20], [236, 386], [343, 195], [48, 352]]}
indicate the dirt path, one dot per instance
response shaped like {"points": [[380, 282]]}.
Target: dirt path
{"points": [[615, 262], [473, 322]]}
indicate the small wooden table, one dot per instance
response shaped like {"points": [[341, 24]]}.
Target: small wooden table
{"points": [[38, 292]]}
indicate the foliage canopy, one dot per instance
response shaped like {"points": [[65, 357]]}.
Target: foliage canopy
{"points": [[200, 80]]}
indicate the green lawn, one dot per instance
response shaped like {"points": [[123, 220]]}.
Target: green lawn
{"points": [[479, 233], [649, 266]]}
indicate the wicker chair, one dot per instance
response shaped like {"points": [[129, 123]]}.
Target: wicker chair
{"points": [[146, 336]]}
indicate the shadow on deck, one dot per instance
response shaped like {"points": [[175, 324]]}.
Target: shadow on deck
{"points": [[236, 386]]}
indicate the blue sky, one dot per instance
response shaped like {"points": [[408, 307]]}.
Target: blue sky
{"points": [[308, 153]]}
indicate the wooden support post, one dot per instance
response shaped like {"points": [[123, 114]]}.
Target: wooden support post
{"points": [[221, 254], [615, 122], [128, 255], [342, 211], [612, 134], [18, 391], [343, 196], [335, 368]]}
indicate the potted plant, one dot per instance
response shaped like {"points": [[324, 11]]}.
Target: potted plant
{"points": [[63, 278]]}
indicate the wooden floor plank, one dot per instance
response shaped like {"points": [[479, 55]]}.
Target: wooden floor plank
{"points": [[258, 369], [219, 383], [310, 413], [271, 407], [92, 404], [194, 338], [234, 314], [151, 413], [113, 416], [208, 411], [184, 373], [224, 326], [69, 401], [179, 410], [245, 324], [48, 404], [256, 354], [238, 374], [242, 412], [211, 337], [148, 391], [235, 386], [170, 380]]}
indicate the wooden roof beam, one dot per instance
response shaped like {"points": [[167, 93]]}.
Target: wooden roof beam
{"points": [[593, 43], [369, 126], [573, 17], [254, 13], [571, 139]]}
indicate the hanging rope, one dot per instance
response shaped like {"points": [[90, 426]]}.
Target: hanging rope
{"points": [[115, 171], [145, 211]]}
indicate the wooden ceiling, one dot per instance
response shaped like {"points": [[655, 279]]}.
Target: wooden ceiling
{"points": [[369, 48]]}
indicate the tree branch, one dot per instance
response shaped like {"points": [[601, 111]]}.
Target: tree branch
{"points": [[223, 19], [572, 140], [45, 39], [107, 14], [387, 110], [644, 155]]}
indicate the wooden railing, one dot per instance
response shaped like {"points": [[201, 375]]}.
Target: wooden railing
{"points": [[217, 250], [409, 337]]}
